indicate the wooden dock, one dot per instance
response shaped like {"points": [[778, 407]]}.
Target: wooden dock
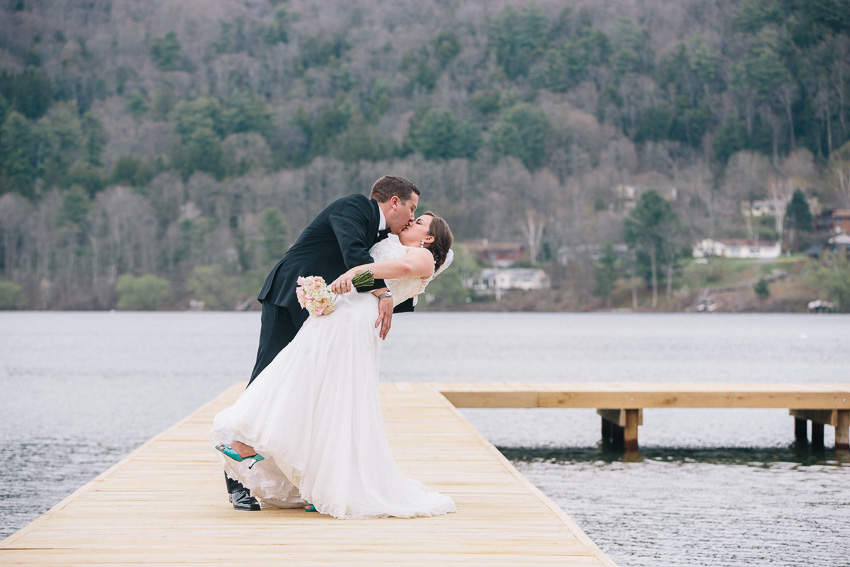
{"points": [[166, 504], [620, 405]]}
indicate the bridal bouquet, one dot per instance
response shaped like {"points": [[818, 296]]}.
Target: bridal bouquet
{"points": [[316, 296]]}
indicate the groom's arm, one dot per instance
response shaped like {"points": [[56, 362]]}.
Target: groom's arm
{"points": [[350, 224]]}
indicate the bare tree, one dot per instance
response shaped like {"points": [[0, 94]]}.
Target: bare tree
{"points": [[706, 203], [16, 231], [786, 93], [780, 191], [745, 177], [842, 174]]}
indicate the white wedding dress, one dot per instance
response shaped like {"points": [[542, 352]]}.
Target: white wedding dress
{"points": [[314, 413]]}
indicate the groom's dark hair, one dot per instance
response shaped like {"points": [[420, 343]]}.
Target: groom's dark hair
{"points": [[390, 186]]}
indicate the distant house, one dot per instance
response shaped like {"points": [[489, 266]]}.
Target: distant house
{"points": [[512, 278], [498, 254], [841, 221], [823, 221], [762, 208], [840, 241], [769, 207], [736, 248]]}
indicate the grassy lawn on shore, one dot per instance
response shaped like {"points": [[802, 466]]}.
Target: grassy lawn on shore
{"points": [[726, 272]]}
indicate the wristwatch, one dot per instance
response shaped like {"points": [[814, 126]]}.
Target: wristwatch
{"points": [[385, 293]]}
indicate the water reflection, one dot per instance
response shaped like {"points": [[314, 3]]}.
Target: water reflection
{"points": [[794, 455], [686, 507]]}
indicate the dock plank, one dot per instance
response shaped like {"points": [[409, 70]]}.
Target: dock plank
{"points": [[165, 504]]}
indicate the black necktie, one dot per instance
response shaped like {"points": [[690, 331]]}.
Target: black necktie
{"points": [[382, 234]]}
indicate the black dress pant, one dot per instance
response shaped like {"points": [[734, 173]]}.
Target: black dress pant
{"points": [[276, 331]]}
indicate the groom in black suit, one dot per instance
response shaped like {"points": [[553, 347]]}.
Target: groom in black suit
{"points": [[338, 239]]}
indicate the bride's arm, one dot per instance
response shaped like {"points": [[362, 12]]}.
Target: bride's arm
{"points": [[417, 263]]}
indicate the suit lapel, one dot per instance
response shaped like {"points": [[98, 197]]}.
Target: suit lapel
{"points": [[376, 220]]}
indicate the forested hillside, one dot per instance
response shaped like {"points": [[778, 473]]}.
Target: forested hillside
{"points": [[183, 144]]}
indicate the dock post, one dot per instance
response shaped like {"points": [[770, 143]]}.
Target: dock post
{"points": [[631, 429], [801, 430], [621, 427], [618, 437], [842, 430]]}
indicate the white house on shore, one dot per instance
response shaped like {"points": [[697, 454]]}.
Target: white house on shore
{"points": [[512, 278], [737, 248]]}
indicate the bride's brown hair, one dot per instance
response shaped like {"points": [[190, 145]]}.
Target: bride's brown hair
{"points": [[442, 234]]}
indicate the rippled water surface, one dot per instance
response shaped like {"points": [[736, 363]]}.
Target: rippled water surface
{"points": [[711, 487]]}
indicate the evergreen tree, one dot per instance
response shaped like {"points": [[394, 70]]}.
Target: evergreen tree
{"points": [[166, 51], [519, 38], [447, 46], [644, 230], [606, 274], [437, 135], [95, 138], [523, 132], [76, 206], [17, 156], [798, 214], [274, 232], [798, 217]]}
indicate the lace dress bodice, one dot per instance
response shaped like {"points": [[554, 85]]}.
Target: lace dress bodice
{"points": [[402, 288]]}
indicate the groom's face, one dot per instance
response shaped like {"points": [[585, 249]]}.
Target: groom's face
{"points": [[401, 213]]}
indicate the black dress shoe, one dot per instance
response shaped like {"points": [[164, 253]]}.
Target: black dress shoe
{"points": [[242, 500]]}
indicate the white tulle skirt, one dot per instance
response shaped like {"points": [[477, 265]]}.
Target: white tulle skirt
{"points": [[314, 413]]}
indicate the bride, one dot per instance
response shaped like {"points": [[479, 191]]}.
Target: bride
{"points": [[309, 430]]}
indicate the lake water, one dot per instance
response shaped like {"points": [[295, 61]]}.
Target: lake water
{"points": [[711, 487]]}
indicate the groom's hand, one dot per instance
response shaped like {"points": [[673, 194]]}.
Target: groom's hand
{"points": [[385, 316]]}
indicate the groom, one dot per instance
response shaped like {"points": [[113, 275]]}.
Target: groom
{"points": [[338, 239]]}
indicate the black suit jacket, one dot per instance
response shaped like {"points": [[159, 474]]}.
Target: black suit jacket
{"points": [[338, 239]]}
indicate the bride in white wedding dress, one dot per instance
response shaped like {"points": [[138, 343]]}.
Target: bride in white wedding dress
{"points": [[310, 429]]}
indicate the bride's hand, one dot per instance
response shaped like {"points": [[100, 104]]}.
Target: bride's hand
{"points": [[343, 283]]}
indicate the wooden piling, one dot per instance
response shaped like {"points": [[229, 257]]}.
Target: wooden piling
{"points": [[801, 430], [630, 431], [842, 431]]}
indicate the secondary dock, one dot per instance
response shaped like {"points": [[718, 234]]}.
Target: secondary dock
{"points": [[620, 405], [166, 504]]}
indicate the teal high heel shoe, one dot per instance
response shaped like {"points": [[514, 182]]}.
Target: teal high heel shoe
{"points": [[230, 452]]}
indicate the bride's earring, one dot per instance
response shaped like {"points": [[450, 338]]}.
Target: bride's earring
{"points": [[421, 244]]}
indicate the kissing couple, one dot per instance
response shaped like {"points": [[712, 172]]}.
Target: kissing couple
{"points": [[308, 431]]}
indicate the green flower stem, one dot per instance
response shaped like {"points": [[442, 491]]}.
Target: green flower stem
{"points": [[364, 279]]}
